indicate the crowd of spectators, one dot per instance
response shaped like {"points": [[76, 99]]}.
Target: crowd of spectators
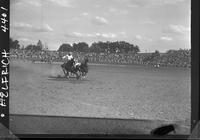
{"points": [[44, 56], [172, 58]]}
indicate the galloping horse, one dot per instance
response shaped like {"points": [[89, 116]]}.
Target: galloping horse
{"points": [[83, 67], [79, 70]]}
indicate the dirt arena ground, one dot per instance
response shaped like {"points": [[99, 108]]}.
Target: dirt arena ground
{"points": [[108, 91]]}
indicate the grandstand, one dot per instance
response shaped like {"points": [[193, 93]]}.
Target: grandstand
{"points": [[175, 58]]}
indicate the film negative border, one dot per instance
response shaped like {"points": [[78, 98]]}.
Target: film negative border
{"points": [[4, 62], [195, 32]]}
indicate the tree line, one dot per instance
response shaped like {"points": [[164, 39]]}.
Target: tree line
{"points": [[97, 47], [14, 44], [101, 47]]}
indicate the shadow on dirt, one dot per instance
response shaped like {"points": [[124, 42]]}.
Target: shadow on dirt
{"points": [[72, 80], [57, 78]]}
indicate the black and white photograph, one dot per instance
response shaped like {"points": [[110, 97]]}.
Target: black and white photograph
{"points": [[100, 67]]}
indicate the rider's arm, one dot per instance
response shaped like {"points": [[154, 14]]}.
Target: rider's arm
{"points": [[64, 56]]}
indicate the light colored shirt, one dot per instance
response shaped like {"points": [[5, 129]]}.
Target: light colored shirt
{"points": [[69, 57], [76, 64]]}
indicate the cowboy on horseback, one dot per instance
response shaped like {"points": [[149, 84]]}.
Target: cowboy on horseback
{"points": [[70, 59], [78, 69], [68, 56]]}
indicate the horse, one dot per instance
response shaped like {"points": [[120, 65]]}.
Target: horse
{"points": [[79, 70], [83, 67], [68, 68]]}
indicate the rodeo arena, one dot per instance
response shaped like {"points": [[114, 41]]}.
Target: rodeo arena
{"points": [[141, 86]]}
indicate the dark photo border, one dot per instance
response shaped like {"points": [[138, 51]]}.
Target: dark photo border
{"points": [[4, 99], [195, 36], [4, 57]]}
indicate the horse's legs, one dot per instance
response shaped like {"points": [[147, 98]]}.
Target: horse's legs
{"points": [[63, 70], [83, 74], [77, 75], [67, 75]]}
